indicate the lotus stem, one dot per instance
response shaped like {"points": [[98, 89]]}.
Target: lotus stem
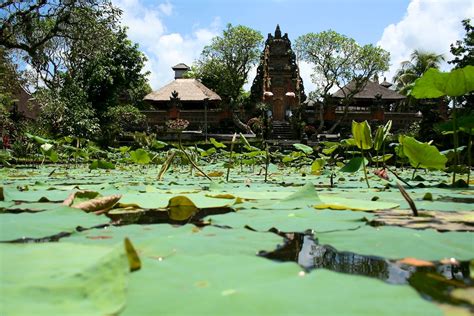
{"points": [[414, 171], [189, 158], [267, 161], [455, 141], [363, 164], [230, 156], [469, 157]]}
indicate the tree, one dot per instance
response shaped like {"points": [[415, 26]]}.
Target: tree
{"points": [[405, 78], [414, 68], [464, 50], [224, 65], [464, 56], [82, 55], [338, 60], [43, 32]]}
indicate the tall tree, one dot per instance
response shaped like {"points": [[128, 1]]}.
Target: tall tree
{"points": [[44, 32], [338, 60], [405, 78], [463, 50], [224, 65], [82, 55], [414, 68]]}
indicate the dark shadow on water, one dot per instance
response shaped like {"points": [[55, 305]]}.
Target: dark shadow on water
{"points": [[432, 282]]}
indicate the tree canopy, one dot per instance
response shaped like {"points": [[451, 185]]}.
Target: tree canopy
{"points": [[414, 68], [338, 60], [83, 63], [224, 65]]}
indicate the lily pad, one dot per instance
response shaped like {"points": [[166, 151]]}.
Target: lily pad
{"points": [[397, 242], [47, 223], [63, 279], [256, 286]]}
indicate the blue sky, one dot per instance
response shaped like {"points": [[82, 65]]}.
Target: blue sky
{"points": [[172, 31]]}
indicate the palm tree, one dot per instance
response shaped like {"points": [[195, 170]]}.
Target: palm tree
{"points": [[404, 79], [414, 68]]}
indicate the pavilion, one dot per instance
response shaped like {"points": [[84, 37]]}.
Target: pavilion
{"points": [[184, 98]]}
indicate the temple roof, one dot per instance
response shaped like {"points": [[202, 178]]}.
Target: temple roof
{"points": [[188, 90], [371, 91]]}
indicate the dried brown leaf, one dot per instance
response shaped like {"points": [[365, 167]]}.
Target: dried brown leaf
{"points": [[99, 204]]}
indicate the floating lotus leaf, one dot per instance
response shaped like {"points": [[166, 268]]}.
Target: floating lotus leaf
{"points": [[397, 242], [63, 279], [248, 285], [47, 223]]}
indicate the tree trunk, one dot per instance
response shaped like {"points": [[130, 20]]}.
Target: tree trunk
{"points": [[336, 124], [241, 125]]}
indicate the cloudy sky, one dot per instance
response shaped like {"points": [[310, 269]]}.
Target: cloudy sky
{"points": [[173, 31]]}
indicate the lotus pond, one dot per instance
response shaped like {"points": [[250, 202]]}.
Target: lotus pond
{"points": [[106, 242]]}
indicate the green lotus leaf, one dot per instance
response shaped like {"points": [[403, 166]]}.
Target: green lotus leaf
{"points": [[396, 243], [248, 285], [63, 279], [362, 134], [435, 84], [304, 148], [47, 223], [140, 156], [422, 154]]}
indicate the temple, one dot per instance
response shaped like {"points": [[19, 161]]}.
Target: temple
{"points": [[278, 83]]}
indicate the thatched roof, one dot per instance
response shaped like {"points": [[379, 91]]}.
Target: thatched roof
{"points": [[188, 90], [371, 90]]}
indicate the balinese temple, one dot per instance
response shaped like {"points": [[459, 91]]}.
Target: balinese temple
{"points": [[278, 82], [184, 98]]}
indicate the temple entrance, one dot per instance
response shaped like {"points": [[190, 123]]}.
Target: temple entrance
{"points": [[278, 110]]}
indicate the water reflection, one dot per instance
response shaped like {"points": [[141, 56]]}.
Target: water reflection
{"points": [[432, 282]]}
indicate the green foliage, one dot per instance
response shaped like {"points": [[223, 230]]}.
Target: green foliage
{"points": [[464, 50], [434, 83], [304, 148], [422, 155], [225, 63], [119, 119], [140, 156], [362, 135], [381, 135], [411, 70], [101, 164], [338, 59], [217, 144], [353, 165]]}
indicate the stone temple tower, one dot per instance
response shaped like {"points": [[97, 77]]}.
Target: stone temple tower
{"points": [[278, 82]]}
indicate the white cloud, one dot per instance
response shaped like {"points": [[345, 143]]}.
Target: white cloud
{"points": [[166, 8], [428, 25], [163, 49], [306, 70]]}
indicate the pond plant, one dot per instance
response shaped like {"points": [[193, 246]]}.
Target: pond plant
{"points": [[107, 225]]}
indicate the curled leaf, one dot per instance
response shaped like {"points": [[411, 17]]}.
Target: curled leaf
{"points": [[79, 195], [133, 259], [99, 204]]}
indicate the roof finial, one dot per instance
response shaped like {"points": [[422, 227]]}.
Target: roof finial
{"points": [[278, 32]]}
